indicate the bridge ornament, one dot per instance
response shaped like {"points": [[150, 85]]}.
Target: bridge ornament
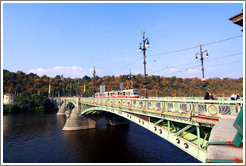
{"points": [[213, 110], [176, 107]]}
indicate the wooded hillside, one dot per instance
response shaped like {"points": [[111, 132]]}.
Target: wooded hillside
{"points": [[157, 86]]}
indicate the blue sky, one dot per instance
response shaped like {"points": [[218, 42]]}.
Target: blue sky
{"points": [[70, 38]]}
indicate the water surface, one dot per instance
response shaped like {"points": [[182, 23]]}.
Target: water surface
{"points": [[38, 138]]}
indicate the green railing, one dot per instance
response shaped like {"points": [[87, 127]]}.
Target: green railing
{"points": [[172, 106], [191, 98]]}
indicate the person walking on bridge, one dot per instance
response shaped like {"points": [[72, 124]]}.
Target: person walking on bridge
{"points": [[206, 97]]}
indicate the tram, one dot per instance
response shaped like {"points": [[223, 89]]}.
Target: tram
{"points": [[127, 93]]}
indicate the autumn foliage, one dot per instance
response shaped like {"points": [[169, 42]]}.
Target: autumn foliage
{"points": [[157, 85]]}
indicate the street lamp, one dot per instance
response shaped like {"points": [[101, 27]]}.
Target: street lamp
{"points": [[140, 50], [78, 88], [201, 54], [94, 75]]}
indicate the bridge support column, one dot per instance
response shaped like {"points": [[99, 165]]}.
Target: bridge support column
{"points": [[114, 120], [57, 102], [62, 109], [77, 122]]}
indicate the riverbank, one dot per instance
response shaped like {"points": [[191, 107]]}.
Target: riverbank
{"points": [[31, 103]]}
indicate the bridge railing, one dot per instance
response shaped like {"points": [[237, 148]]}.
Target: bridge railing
{"points": [[191, 98], [173, 106]]}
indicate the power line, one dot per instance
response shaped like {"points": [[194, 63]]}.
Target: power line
{"points": [[180, 50], [225, 63], [205, 66], [225, 56], [222, 40], [194, 62], [183, 70], [219, 41], [129, 64], [174, 51]]}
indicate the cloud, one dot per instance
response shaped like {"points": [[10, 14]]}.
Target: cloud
{"points": [[192, 70], [173, 69], [66, 71], [233, 75]]}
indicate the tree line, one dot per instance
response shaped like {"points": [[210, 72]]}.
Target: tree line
{"points": [[158, 86], [31, 103]]}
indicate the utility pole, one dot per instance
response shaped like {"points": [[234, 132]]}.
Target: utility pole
{"points": [[203, 77], [94, 75], [84, 86], [144, 55], [78, 88], [201, 54], [49, 95]]}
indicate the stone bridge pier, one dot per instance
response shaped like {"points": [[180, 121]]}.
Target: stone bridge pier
{"points": [[62, 109], [77, 122]]}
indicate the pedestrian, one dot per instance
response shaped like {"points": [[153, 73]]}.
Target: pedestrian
{"points": [[206, 97], [238, 96], [214, 97], [211, 96], [233, 97]]}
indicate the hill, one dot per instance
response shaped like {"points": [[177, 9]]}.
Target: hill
{"points": [[157, 85]]}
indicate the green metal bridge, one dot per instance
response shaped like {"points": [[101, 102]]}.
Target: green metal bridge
{"points": [[188, 123]]}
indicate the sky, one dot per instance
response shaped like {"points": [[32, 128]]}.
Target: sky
{"points": [[70, 38]]}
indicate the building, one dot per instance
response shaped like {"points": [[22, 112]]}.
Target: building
{"points": [[238, 19], [9, 98]]}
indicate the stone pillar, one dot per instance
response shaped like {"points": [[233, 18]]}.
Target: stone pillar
{"points": [[58, 102], [62, 109], [77, 122]]}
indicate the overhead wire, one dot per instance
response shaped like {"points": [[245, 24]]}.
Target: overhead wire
{"points": [[205, 66], [195, 62], [129, 64], [219, 41], [179, 50]]}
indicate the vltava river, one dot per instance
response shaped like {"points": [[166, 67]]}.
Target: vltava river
{"points": [[38, 138]]}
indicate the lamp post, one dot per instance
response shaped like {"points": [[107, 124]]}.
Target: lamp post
{"points": [[94, 75], [78, 88], [201, 54], [140, 50]]}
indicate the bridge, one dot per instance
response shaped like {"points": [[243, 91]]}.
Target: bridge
{"points": [[209, 130]]}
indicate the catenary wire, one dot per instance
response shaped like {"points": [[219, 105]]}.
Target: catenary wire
{"points": [[180, 50], [205, 66], [195, 62]]}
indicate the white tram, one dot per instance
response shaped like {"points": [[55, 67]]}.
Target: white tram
{"points": [[127, 93]]}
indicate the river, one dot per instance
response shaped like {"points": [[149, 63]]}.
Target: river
{"points": [[38, 138]]}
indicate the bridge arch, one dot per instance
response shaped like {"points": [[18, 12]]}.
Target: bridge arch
{"points": [[65, 107], [142, 121]]}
